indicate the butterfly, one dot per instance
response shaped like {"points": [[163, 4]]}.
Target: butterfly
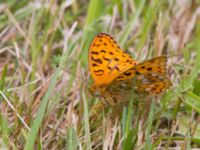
{"points": [[115, 73]]}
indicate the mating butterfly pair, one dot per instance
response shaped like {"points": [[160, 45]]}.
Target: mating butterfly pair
{"points": [[115, 73]]}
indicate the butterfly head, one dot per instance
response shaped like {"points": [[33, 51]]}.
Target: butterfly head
{"points": [[97, 90]]}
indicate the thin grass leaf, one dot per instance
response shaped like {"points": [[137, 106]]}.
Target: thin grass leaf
{"points": [[95, 10], [127, 29], [72, 141], [4, 130], [40, 114], [149, 126], [191, 100], [3, 77], [86, 123], [149, 19]]}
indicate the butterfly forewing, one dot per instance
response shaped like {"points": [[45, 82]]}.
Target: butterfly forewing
{"points": [[107, 61]]}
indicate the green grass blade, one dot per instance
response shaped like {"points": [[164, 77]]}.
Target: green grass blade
{"points": [[4, 131], [95, 10], [191, 100], [130, 25], [86, 123], [40, 114], [149, 19], [3, 77], [149, 125], [72, 141]]}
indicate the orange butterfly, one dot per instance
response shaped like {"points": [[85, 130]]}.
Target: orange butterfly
{"points": [[114, 71]]}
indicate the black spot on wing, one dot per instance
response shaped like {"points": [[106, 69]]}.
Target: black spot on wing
{"points": [[127, 74], [138, 73], [97, 60], [149, 69], [154, 88], [98, 45], [99, 72], [120, 77], [107, 59], [109, 67], [111, 53], [116, 59], [113, 68], [94, 52], [117, 68], [103, 51], [94, 65]]}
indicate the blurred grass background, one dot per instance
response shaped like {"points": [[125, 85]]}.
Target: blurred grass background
{"points": [[44, 77]]}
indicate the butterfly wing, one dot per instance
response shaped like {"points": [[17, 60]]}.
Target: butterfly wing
{"points": [[155, 65], [107, 60], [153, 83], [149, 76], [108, 63]]}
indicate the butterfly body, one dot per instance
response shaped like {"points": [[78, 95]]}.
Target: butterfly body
{"points": [[116, 74]]}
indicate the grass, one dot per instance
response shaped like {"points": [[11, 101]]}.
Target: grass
{"points": [[44, 76]]}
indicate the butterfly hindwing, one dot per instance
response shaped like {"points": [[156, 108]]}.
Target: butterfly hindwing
{"points": [[149, 76], [153, 83], [156, 65]]}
